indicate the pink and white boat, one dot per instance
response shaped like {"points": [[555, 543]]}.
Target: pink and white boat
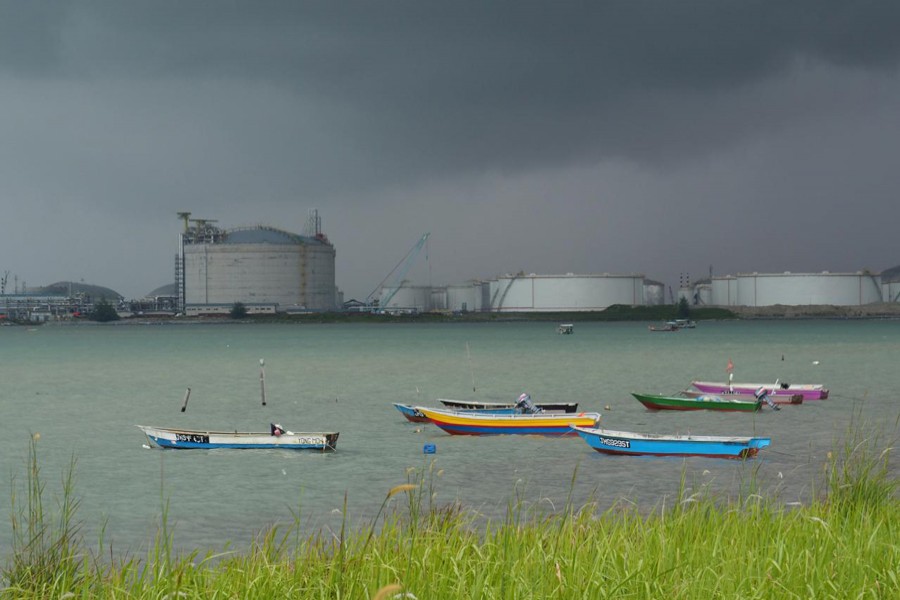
{"points": [[778, 398], [809, 391]]}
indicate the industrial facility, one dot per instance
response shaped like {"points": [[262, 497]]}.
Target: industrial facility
{"points": [[266, 269], [523, 293], [270, 270], [573, 293], [796, 289]]}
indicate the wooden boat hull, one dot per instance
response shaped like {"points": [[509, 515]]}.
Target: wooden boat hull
{"points": [[780, 399], [809, 391], [411, 413], [637, 444], [566, 407], [702, 402], [190, 439], [466, 423]]}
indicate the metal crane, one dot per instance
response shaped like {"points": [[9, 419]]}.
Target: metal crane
{"points": [[398, 272]]}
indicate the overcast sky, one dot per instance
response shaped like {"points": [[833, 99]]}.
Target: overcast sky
{"points": [[663, 138]]}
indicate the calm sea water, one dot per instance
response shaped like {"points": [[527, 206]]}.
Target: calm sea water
{"points": [[83, 388]]}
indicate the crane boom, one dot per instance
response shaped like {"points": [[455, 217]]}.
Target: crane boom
{"points": [[398, 272]]}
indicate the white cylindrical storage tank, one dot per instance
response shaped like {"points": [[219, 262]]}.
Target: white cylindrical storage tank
{"points": [[702, 294], [465, 297], [890, 291], [654, 293], [724, 291], [565, 293], [890, 285], [438, 298], [408, 297], [798, 289], [258, 265]]}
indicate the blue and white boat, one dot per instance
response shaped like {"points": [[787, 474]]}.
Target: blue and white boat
{"points": [[411, 413], [277, 437], [191, 439], [623, 442]]}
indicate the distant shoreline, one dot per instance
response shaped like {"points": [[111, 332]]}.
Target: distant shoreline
{"points": [[612, 314]]}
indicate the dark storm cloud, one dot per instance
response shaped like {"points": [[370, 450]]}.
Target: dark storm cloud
{"points": [[430, 89], [30, 37], [618, 124]]}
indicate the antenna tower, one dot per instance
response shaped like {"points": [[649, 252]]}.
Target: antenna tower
{"points": [[314, 225]]}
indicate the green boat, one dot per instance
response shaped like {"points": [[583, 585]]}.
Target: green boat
{"points": [[701, 402]]}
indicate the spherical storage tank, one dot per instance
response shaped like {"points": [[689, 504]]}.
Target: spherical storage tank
{"points": [[258, 265]]}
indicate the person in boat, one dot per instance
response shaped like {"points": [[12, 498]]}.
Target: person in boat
{"points": [[276, 429], [525, 406]]}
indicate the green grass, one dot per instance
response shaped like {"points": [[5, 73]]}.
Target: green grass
{"points": [[844, 544]]}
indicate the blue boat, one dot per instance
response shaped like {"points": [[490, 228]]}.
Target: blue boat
{"points": [[411, 413], [637, 444]]}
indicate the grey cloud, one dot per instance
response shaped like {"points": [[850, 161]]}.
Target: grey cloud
{"points": [[443, 88], [489, 124]]}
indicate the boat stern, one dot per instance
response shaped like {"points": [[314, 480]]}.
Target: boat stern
{"points": [[331, 441]]}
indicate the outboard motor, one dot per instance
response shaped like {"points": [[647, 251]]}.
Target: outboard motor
{"points": [[525, 406], [762, 394]]}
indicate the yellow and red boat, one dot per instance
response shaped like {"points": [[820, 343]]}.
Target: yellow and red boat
{"points": [[469, 423]]}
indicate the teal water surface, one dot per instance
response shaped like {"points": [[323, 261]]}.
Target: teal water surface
{"points": [[83, 389]]}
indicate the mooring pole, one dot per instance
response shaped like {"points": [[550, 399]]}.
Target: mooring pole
{"points": [[262, 380]]}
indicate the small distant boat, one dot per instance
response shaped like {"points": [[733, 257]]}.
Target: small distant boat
{"points": [[685, 324], [809, 391], [777, 398], [458, 422], [411, 413], [566, 329], [701, 402], [669, 326], [623, 442], [567, 407], [191, 439]]}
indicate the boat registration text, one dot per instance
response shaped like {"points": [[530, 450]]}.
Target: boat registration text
{"points": [[616, 443]]}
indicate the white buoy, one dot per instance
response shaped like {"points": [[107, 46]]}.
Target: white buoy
{"points": [[145, 446], [815, 362]]}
